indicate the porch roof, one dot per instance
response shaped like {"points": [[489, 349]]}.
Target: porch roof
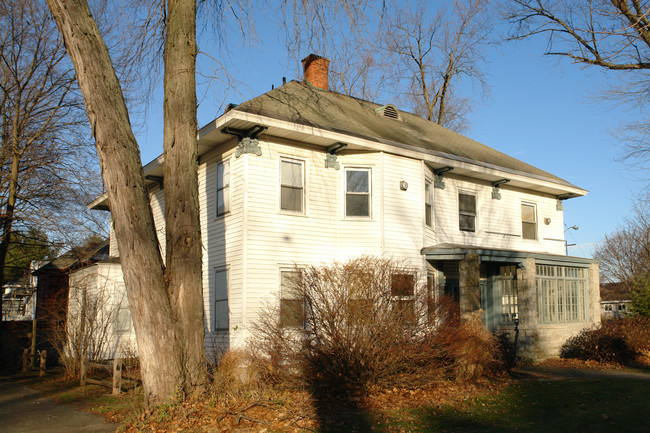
{"points": [[458, 252]]}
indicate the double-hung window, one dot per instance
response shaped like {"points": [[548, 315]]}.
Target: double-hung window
{"points": [[528, 221], [357, 192], [221, 320], [223, 187], [467, 212], [292, 191], [292, 308], [402, 289], [428, 203]]}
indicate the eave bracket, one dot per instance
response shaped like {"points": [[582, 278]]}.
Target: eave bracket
{"points": [[330, 158], [438, 181], [248, 142], [496, 188]]}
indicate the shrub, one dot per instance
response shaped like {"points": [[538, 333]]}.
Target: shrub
{"points": [[235, 374], [621, 341], [366, 322], [471, 350]]}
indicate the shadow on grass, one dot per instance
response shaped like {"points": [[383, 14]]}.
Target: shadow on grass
{"points": [[338, 407], [567, 406]]}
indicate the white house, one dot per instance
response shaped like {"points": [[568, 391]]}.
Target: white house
{"points": [[303, 175]]}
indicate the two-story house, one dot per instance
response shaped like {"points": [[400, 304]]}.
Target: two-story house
{"points": [[303, 175]]}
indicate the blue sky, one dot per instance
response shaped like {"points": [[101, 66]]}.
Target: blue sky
{"points": [[542, 110]]}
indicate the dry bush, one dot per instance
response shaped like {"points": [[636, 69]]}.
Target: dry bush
{"points": [[237, 375], [470, 349], [623, 341], [598, 344], [367, 322]]}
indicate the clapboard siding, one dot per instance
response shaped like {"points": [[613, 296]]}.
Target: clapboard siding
{"points": [[103, 285], [278, 239], [403, 211], [223, 241], [498, 221], [157, 201], [256, 239]]}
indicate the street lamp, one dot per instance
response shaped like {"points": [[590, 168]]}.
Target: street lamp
{"points": [[566, 245]]}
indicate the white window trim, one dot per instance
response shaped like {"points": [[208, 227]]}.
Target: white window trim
{"points": [[225, 269], [303, 164], [229, 201], [534, 205], [345, 192], [476, 216]]}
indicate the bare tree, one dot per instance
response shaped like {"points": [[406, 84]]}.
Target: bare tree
{"points": [[387, 50], [609, 34], [344, 31], [625, 254], [434, 50], [613, 34], [41, 155]]}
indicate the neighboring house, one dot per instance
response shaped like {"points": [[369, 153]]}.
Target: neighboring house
{"points": [[53, 278], [98, 311], [19, 299], [302, 175], [615, 301], [85, 287]]}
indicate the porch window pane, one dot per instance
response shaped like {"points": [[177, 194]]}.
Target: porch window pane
{"points": [[563, 294]]}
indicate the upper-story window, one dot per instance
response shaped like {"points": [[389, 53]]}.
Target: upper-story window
{"points": [[357, 192], [467, 212], [528, 221], [428, 203], [292, 190], [223, 187]]}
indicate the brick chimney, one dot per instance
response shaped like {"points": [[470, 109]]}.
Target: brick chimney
{"points": [[316, 71]]}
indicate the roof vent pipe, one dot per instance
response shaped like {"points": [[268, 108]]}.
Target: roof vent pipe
{"points": [[316, 71]]}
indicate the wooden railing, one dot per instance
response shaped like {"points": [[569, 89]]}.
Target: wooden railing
{"points": [[115, 370]]}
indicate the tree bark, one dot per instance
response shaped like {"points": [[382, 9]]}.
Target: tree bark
{"points": [[159, 317], [183, 236]]}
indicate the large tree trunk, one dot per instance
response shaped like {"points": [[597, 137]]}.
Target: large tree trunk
{"points": [[161, 341], [183, 246]]}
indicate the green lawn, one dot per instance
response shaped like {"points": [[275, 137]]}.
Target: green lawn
{"points": [[555, 406]]}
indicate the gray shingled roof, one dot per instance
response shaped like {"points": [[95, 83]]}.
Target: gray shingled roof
{"points": [[78, 256], [304, 104]]}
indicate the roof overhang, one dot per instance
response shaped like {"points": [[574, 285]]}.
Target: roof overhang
{"points": [[459, 252], [211, 135]]}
